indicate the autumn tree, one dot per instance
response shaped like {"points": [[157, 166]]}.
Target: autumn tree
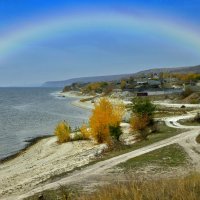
{"points": [[62, 131], [104, 116]]}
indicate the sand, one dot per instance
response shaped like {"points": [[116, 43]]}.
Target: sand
{"points": [[42, 161]]}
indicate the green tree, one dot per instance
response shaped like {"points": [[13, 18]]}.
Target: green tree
{"points": [[143, 107], [143, 110]]}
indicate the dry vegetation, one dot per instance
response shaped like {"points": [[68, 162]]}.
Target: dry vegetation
{"points": [[186, 188], [62, 131], [177, 189]]}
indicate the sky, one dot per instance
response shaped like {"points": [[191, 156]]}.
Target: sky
{"points": [[61, 39]]}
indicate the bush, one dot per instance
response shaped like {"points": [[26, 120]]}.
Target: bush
{"points": [[77, 137], [62, 131], [139, 124], [115, 132], [85, 132]]}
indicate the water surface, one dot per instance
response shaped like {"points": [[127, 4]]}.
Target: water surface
{"points": [[26, 113]]}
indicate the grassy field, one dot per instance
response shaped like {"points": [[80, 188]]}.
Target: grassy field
{"points": [[164, 158]]}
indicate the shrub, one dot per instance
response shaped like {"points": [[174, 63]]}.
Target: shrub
{"points": [[77, 137], [139, 124], [62, 131], [115, 132], [85, 132]]}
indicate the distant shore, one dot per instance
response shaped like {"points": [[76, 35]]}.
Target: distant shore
{"points": [[88, 105]]}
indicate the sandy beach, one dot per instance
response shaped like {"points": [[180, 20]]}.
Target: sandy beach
{"points": [[43, 161]]}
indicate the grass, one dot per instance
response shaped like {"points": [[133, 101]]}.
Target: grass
{"points": [[169, 111], [163, 132], [186, 188], [62, 193], [166, 157], [189, 122], [198, 139], [160, 114]]}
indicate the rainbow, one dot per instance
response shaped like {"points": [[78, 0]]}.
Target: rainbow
{"points": [[39, 30]]}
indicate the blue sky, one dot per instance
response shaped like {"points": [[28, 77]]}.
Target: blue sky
{"points": [[98, 38]]}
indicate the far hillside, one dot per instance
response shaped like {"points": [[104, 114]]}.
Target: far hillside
{"points": [[195, 69]]}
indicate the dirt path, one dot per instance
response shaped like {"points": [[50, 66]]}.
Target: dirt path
{"points": [[186, 139]]}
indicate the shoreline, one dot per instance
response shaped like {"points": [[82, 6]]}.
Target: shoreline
{"points": [[29, 144], [43, 160]]}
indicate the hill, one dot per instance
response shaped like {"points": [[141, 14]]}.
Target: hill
{"points": [[85, 80], [194, 69]]}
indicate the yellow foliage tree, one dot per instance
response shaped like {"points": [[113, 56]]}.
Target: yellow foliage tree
{"points": [[105, 115], [62, 131]]}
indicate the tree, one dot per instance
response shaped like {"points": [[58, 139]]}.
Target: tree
{"points": [[104, 116], [143, 107], [143, 111], [62, 131]]}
